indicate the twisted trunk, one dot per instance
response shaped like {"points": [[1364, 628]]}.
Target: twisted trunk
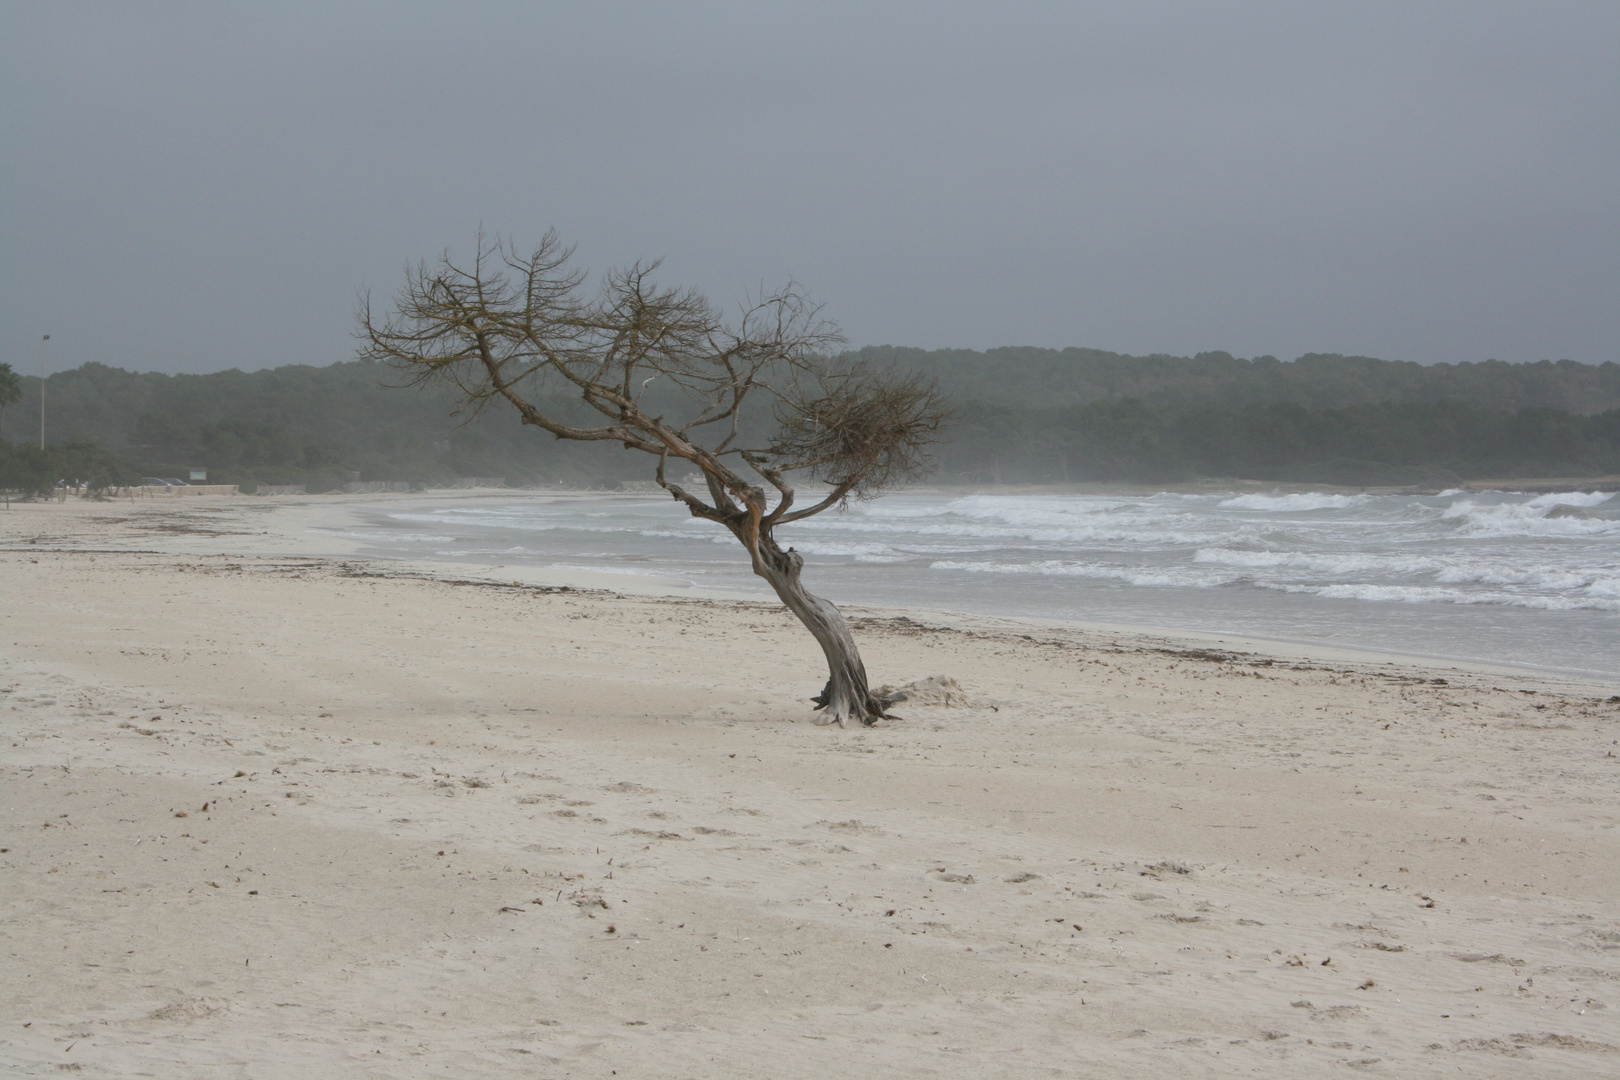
{"points": [[846, 696]]}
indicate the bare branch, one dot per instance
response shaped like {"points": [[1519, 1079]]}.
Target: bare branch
{"points": [[859, 430]]}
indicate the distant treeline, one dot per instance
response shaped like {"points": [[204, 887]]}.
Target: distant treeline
{"points": [[1390, 443], [1024, 415], [1029, 376], [25, 469], [317, 426]]}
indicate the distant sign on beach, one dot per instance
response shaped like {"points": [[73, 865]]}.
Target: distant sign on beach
{"points": [[198, 474]]}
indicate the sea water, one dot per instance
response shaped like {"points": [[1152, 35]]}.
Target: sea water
{"points": [[1495, 577]]}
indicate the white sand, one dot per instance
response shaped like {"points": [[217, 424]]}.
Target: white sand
{"points": [[466, 830]]}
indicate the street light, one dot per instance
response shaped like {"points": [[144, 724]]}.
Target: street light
{"points": [[42, 342]]}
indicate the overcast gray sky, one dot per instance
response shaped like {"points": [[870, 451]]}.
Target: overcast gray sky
{"points": [[193, 187]]}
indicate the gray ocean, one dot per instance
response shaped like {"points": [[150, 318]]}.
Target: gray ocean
{"points": [[1495, 577]]}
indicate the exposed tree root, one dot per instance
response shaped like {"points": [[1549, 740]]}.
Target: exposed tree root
{"points": [[841, 708]]}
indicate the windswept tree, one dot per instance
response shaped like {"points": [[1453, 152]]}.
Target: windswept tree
{"points": [[748, 403]]}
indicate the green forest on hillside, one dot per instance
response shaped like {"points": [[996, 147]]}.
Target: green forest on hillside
{"points": [[1023, 415]]}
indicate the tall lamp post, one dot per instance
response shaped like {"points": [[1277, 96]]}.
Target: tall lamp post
{"points": [[42, 342]]}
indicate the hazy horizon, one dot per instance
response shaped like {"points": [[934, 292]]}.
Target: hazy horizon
{"points": [[24, 371], [194, 188]]}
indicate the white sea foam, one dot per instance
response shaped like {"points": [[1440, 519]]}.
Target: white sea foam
{"points": [[1406, 594], [1527, 519], [860, 552], [1338, 562], [1054, 568], [1306, 501], [1420, 594], [1548, 577], [1605, 586], [1006, 519], [1573, 498]]}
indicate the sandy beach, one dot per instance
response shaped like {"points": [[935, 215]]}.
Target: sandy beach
{"points": [[275, 810]]}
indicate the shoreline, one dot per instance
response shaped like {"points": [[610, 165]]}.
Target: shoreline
{"points": [[287, 527]]}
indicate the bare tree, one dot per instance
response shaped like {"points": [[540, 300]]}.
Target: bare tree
{"points": [[754, 401]]}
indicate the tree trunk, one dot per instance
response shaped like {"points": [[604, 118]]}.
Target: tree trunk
{"points": [[846, 697]]}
